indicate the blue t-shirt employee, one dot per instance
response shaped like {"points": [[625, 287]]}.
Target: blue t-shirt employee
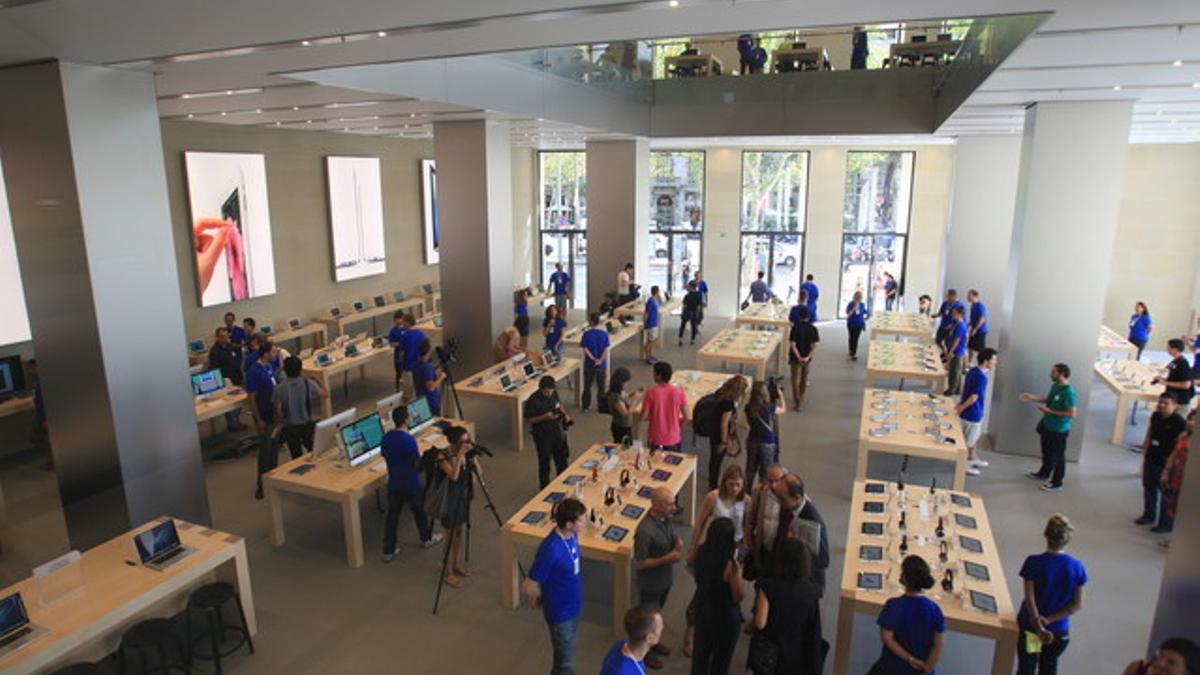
{"points": [[978, 323], [403, 456], [1140, 325], [1054, 584], [560, 281], [554, 582], [946, 315], [810, 287], [260, 384]]}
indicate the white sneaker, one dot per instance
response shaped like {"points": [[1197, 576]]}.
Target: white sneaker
{"points": [[432, 541], [389, 557], [978, 463], [972, 471]]}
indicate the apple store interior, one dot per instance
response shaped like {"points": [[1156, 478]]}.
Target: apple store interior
{"points": [[621, 336]]}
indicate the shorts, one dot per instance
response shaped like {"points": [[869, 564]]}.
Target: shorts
{"points": [[651, 334], [977, 342], [971, 432]]}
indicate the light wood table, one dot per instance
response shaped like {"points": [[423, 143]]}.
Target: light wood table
{"points": [[486, 385], [905, 361], [961, 616], [1111, 342], [769, 315], [343, 364], [369, 313], [314, 328], [705, 64], [87, 624], [697, 384], [914, 417], [940, 49], [573, 335], [211, 408], [741, 346], [903, 325], [431, 328], [1130, 381], [16, 405], [593, 545], [433, 301], [805, 55], [636, 309], [332, 480]]}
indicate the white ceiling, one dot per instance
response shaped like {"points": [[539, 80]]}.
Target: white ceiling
{"points": [[1082, 52]]}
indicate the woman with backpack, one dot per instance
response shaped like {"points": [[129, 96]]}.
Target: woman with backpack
{"points": [[621, 405], [715, 416]]}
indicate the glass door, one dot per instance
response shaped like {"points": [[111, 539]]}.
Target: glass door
{"points": [[570, 249]]}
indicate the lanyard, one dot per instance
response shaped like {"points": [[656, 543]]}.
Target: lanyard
{"points": [[572, 552]]}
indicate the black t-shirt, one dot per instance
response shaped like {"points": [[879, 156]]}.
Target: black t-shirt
{"points": [[228, 359], [1164, 432], [805, 335], [1180, 370], [722, 406], [547, 431], [691, 302]]}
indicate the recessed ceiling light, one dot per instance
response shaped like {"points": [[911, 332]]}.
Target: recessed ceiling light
{"points": [[1116, 87], [190, 116], [382, 33], [1159, 113], [278, 123], [295, 107], [412, 114], [1196, 85], [306, 43], [346, 129], [258, 110], [223, 92], [353, 104], [308, 121], [1177, 63], [222, 113]]}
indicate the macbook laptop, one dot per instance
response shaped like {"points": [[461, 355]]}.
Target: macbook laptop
{"points": [[360, 306], [324, 359], [16, 631], [380, 301], [266, 329], [335, 312], [428, 289], [294, 323], [506, 383], [399, 295], [529, 370], [550, 358], [159, 547], [196, 347]]}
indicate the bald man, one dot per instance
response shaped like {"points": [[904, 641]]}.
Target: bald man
{"points": [[656, 549]]}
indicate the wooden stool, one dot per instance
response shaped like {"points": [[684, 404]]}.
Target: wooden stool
{"points": [[209, 600], [152, 636]]}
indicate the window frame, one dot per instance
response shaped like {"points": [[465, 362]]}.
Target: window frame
{"points": [[772, 235]]}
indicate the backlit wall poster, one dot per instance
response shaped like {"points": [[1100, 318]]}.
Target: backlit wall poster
{"points": [[356, 216], [231, 226], [429, 211], [14, 322]]}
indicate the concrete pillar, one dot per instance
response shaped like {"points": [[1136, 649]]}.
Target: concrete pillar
{"points": [[722, 229], [475, 193], [981, 216], [88, 194], [618, 229], [1068, 192]]}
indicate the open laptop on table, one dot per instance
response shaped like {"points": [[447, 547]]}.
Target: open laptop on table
{"points": [[16, 630], [159, 547], [507, 384]]}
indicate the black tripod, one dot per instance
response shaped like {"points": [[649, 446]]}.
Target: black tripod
{"points": [[448, 356]]}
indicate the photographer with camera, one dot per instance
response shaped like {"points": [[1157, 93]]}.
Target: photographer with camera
{"points": [[454, 492], [548, 423]]}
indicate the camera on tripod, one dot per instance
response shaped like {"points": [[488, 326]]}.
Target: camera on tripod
{"points": [[449, 352], [477, 450]]}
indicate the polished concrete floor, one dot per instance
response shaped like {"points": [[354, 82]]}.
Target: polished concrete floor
{"points": [[316, 615]]}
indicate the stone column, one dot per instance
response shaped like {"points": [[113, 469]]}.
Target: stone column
{"points": [[618, 229]]}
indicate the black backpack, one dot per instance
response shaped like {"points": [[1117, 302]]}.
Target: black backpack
{"points": [[704, 416]]}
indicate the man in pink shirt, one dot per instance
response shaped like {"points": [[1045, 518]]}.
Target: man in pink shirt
{"points": [[665, 408]]}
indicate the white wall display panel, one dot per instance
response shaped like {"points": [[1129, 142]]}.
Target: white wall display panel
{"points": [[356, 217]]}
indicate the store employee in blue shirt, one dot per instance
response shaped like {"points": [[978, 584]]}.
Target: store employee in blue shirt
{"points": [[1054, 583], [643, 627], [702, 286], [396, 340], [237, 335], [427, 381], [260, 384], [956, 351], [1140, 325], [650, 325], [813, 293], [595, 344], [970, 407], [946, 315], [413, 337], [554, 582], [978, 325], [560, 286], [403, 457]]}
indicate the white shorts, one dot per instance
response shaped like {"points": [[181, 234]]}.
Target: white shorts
{"points": [[971, 432], [651, 334]]}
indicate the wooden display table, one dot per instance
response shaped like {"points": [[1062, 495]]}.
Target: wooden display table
{"points": [[697, 384], [343, 364], [16, 405], [486, 385], [87, 624], [1112, 342], [902, 325], [315, 329], [769, 315], [961, 615], [905, 361], [334, 481], [923, 425], [432, 298], [942, 50], [803, 57], [1130, 381], [636, 309], [369, 313], [704, 65], [219, 403], [592, 543], [741, 346], [624, 333], [431, 327]]}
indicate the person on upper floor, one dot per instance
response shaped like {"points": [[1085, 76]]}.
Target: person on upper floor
{"points": [[560, 287], [1140, 327], [758, 57], [856, 322], [1179, 382], [809, 286], [978, 324], [759, 291], [1054, 582], [745, 48], [859, 51], [911, 626], [552, 329], [237, 334], [596, 346]]}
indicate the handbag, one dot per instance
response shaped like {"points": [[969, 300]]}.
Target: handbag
{"points": [[733, 447], [763, 658]]}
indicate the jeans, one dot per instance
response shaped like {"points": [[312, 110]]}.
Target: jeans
{"points": [[716, 638], [562, 639], [593, 375], [855, 332], [1045, 662], [396, 502], [954, 376], [620, 433], [1140, 344], [558, 451], [889, 302], [685, 319], [716, 453], [268, 453], [298, 436], [1054, 456], [759, 456], [1150, 492]]}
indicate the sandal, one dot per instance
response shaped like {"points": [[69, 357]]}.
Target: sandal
{"points": [[462, 572], [453, 581]]}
